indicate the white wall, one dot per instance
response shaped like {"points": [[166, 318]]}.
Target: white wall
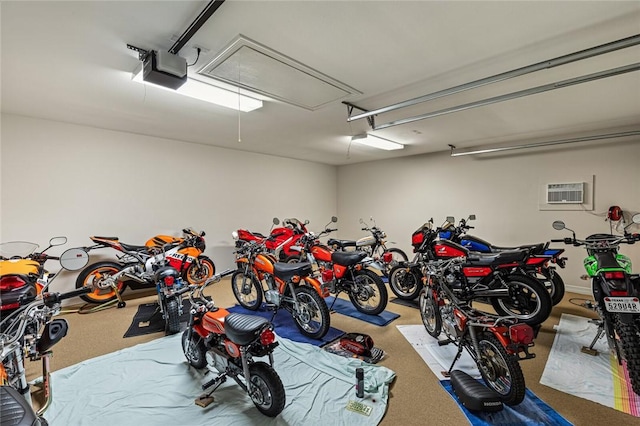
{"points": [[502, 191], [77, 181]]}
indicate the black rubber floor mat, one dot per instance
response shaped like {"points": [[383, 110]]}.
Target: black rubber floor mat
{"points": [[410, 303], [149, 319]]}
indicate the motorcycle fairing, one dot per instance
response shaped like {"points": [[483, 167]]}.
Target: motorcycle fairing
{"points": [[18, 267]]}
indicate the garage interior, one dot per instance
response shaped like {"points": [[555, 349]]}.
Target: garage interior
{"points": [[491, 102]]}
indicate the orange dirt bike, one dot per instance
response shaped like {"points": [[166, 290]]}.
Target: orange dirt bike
{"points": [[228, 342], [135, 267], [283, 285]]}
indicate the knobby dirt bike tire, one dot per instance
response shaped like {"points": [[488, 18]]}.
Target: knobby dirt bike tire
{"points": [[629, 335], [266, 389], [95, 272], [194, 349], [489, 345], [312, 301], [523, 284], [409, 287], [197, 274], [430, 313], [236, 285], [171, 316], [375, 281]]}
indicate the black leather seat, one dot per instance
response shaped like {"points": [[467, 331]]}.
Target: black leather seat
{"points": [[533, 248], [286, 271], [244, 329], [16, 411], [473, 394], [347, 258], [499, 258], [341, 243], [130, 247]]}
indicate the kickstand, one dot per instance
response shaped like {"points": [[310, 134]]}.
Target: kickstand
{"points": [[448, 372], [333, 303], [589, 350]]}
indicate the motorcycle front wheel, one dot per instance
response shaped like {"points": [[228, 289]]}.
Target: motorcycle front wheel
{"points": [[94, 276], [247, 290], [313, 317], [266, 389], [171, 316], [528, 300], [194, 349], [500, 372], [404, 282], [199, 270], [629, 339], [430, 313], [369, 294]]}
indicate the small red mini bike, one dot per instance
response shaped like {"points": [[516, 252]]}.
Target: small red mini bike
{"points": [[228, 342]]}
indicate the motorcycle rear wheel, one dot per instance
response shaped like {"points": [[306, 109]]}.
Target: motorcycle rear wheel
{"points": [[171, 316], [404, 283], [93, 276], [194, 349], [266, 389], [500, 372], [629, 335], [313, 318], [430, 313], [371, 297], [199, 271], [528, 300], [247, 290]]}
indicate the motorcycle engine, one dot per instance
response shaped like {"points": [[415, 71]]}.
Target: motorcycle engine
{"points": [[216, 360], [449, 325], [272, 296]]}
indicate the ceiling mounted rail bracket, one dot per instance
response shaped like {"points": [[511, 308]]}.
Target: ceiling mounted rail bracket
{"points": [[142, 53], [547, 143], [550, 63], [370, 119], [206, 13]]}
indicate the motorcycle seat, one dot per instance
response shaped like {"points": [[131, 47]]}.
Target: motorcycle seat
{"points": [[286, 271], [16, 411], [244, 329], [474, 395], [130, 247], [347, 258], [498, 258], [341, 243], [533, 248]]}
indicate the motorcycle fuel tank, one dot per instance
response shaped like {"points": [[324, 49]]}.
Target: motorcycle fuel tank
{"points": [[263, 263], [366, 241], [446, 248], [321, 253]]}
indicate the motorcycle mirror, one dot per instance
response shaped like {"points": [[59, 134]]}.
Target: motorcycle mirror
{"points": [[306, 221], [451, 219], [202, 234], [334, 219], [276, 221], [74, 259], [472, 217], [636, 218], [57, 241], [558, 225]]}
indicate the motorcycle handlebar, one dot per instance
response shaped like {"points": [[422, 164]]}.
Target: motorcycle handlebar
{"points": [[560, 240], [51, 299]]}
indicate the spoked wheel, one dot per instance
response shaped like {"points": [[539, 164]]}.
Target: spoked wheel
{"points": [[171, 316], [194, 349], [430, 313], [266, 389], [95, 276], [313, 317], [398, 256], [247, 290], [370, 294], [404, 283], [500, 371], [199, 270], [528, 300]]}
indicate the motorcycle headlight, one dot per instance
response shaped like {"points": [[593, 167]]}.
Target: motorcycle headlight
{"points": [[234, 234]]}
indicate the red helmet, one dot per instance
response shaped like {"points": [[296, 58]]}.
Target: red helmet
{"points": [[615, 213]]}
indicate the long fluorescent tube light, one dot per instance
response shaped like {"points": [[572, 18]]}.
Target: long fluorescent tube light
{"points": [[208, 93], [376, 142]]}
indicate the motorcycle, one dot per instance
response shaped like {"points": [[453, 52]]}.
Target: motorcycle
{"points": [[22, 272], [168, 284], [134, 268], [345, 271], [31, 332], [228, 342], [283, 285], [282, 238], [542, 270], [375, 245], [194, 267], [616, 293], [496, 343], [484, 277]]}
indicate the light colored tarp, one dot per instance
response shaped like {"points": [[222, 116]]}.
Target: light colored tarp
{"points": [[151, 384], [596, 378]]}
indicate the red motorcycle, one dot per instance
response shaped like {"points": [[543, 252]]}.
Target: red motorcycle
{"points": [[228, 342], [282, 238]]}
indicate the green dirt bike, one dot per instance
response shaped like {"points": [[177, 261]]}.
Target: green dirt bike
{"points": [[616, 292]]}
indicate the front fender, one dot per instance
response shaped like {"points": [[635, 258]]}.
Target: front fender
{"points": [[312, 282]]}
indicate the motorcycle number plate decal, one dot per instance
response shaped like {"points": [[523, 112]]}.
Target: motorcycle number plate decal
{"points": [[359, 407], [622, 304]]}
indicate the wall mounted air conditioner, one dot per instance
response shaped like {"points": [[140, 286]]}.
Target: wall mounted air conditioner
{"points": [[565, 193]]}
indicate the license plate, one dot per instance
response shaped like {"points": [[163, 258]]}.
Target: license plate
{"points": [[622, 304]]}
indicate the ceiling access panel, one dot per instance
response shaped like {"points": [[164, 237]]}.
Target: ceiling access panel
{"points": [[257, 68]]}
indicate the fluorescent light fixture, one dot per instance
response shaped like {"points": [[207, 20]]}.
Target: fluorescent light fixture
{"points": [[208, 93], [376, 142]]}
